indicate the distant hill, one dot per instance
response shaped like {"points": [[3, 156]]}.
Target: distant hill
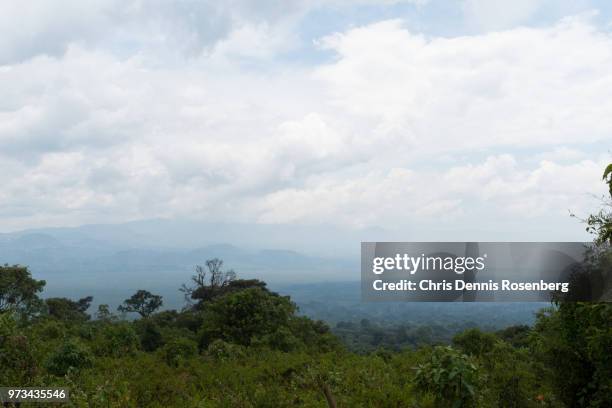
{"points": [[321, 240], [110, 262]]}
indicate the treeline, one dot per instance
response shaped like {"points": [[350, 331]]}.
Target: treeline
{"points": [[367, 336], [56, 342], [237, 344]]}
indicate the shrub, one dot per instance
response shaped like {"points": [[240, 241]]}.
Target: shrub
{"points": [[117, 340], [451, 377], [150, 335], [176, 351], [475, 342], [221, 350], [50, 329], [71, 355], [18, 364]]}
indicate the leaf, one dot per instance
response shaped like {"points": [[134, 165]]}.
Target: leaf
{"points": [[469, 388], [607, 171]]}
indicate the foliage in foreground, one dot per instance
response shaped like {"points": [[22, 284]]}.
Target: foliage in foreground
{"points": [[249, 349]]}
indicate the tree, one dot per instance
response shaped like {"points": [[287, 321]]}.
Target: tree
{"points": [[474, 342], [573, 339], [517, 336], [104, 313], [246, 316], [19, 291], [69, 310], [18, 360], [72, 355], [600, 223], [142, 302], [207, 282], [212, 281]]}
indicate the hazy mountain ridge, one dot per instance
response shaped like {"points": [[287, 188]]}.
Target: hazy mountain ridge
{"points": [[110, 262], [320, 240]]}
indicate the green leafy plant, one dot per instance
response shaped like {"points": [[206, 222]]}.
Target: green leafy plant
{"points": [[451, 377]]}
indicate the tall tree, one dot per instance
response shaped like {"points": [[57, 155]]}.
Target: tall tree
{"points": [[142, 302], [19, 291], [574, 338], [207, 281], [212, 281], [67, 309], [245, 316]]}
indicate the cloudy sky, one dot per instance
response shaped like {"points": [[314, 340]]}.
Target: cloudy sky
{"points": [[467, 116]]}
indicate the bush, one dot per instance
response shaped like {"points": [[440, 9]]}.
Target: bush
{"points": [[18, 364], [117, 340], [176, 351], [517, 336], [71, 355], [221, 350], [50, 329], [511, 381], [150, 335], [450, 377], [475, 342], [574, 340]]}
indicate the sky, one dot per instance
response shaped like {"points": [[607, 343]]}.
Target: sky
{"points": [[447, 119]]}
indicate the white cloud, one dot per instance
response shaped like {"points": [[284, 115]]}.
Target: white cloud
{"points": [[525, 87], [562, 154], [38, 27], [400, 197], [256, 41], [396, 127]]}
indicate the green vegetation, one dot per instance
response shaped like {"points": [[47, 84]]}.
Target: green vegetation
{"points": [[142, 302], [367, 336], [238, 344]]}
